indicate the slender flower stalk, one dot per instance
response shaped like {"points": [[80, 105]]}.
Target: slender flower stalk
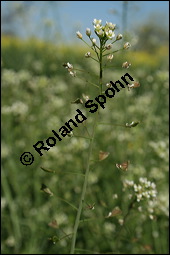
{"points": [[101, 67], [77, 221]]}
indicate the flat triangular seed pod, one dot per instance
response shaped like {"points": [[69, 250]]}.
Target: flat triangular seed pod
{"points": [[116, 211], [123, 166], [46, 190], [47, 170], [103, 155], [77, 101], [53, 224]]}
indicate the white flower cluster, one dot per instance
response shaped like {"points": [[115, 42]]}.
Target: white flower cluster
{"points": [[17, 108], [104, 31], [144, 190]]}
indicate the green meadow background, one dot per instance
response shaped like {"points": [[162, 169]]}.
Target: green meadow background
{"points": [[37, 92]]}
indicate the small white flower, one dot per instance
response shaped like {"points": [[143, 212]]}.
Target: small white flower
{"points": [[141, 179], [110, 34], [127, 45], [110, 25], [96, 22], [131, 183], [72, 73], [150, 210], [98, 27], [151, 217], [148, 184], [121, 221], [153, 193], [135, 187], [100, 33], [140, 208], [128, 183], [153, 186], [130, 196], [115, 196], [79, 35], [145, 194], [139, 197], [69, 66], [139, 187]]}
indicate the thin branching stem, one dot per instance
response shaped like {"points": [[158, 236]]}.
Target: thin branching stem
{"points": [[113, 52], [77, 221], [124, 222], [111, 124]]}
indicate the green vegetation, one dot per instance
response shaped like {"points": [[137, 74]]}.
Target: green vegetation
{"points": [[36, 97]]}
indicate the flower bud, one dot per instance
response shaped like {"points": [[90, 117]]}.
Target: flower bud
{"points": [[109, 46], [79, 35], [72, 73], [110, 57], [119, 37], [126, 65], [86, 97], [88, 54], [127, 45], [109, 85], [88, 31], [94, 41]]}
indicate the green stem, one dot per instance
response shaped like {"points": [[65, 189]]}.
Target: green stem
{"points": [[94, 59], [110, 124], [101, 67], [86, 43], [82, 137], [89, 82], [84, 125], [67, 202], [13, 211], [124, 221], [113, 52], [77, 221]]}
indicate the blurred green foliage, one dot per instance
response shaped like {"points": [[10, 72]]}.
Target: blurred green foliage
{"points": [[36, 97]]}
